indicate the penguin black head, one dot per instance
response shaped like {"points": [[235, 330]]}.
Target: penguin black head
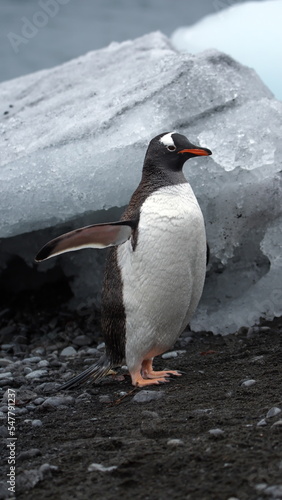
{"points": [[171, 150]]}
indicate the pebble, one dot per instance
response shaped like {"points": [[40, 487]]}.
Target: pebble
{"points": [[216, 432], [36, 422], [27, 369], [145, 396], [43, 363], [248, 383], [150, 414], [91, 351], [101, 346], [68, 351], [38, 401], [29, 478], [169, 355], [33, 452], [57, 401], [4, 408], [40, 351], [2, 415], [30, 407], [273, 412], [19, 411], [33, 359], [101, 468], [174, 443], [47, 387], [5, 362], [36, 374], [262, 422], [6, 375], [277, 424]]}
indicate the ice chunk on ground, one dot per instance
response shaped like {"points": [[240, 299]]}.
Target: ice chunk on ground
{"points": [[249, 32], [72, 151]]}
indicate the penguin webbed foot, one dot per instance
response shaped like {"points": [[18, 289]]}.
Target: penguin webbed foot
{"points": [[139, 381], [149, 373]]}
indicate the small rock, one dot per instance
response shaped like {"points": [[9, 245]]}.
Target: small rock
{"points": [[91, 351], [33, 452], [36, 423], [101, 468], [101, 346], [5, 362], [36, 374], [273, 412], [20, 411], [40, 351], [33, 359], [248, 383], [149, 414], [169, 355], [262, 423], [7, 375], [274, 492], [27, 369], [174, 443], [2, 415], [277, 424], [43, 363], [145, 396], [29, 478], [56, 401], [68, 351], [47, 387], [216, 432], [38, 401]]}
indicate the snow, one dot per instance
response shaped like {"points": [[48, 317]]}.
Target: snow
{"points": [[249, 32], [73, 145]]}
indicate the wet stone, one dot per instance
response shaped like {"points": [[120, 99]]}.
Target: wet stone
{"points": [[273, 412], [248, 383], [33, 452], [36, 374], [56, 401], [68, 351]]}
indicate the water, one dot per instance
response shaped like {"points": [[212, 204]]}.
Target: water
{"points": [[37, 34]]}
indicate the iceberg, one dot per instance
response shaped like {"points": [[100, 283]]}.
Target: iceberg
{"points": [[73, 140], [249, 32]]}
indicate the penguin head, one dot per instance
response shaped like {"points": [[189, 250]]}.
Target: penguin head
{"points": [[171, 150]]}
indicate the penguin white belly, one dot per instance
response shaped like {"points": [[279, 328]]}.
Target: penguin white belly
{"points": [[163, 278]]}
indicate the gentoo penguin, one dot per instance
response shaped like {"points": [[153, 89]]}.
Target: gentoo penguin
{"points": [[155, 271]]}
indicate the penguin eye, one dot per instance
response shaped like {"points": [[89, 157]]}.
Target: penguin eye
{"points": [[171, 148]]}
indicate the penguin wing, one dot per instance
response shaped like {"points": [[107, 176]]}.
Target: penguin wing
{"points": [[95, 236]]}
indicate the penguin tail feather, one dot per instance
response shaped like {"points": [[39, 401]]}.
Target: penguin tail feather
{"points": [[96, 372]]}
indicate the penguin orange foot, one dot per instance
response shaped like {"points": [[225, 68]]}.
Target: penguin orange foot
{"points": [[155, 271], [148, 372]]}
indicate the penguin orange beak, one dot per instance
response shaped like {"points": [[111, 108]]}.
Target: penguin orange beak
{"points": [[197, 151]]}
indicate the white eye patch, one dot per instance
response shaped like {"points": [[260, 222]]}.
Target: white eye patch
{"points": [[167, 140]]}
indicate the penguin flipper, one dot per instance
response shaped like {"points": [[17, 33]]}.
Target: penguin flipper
{"points": [[95, 236]]}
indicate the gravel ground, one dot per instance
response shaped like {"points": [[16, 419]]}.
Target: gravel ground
{"points": [[213, 434]]}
